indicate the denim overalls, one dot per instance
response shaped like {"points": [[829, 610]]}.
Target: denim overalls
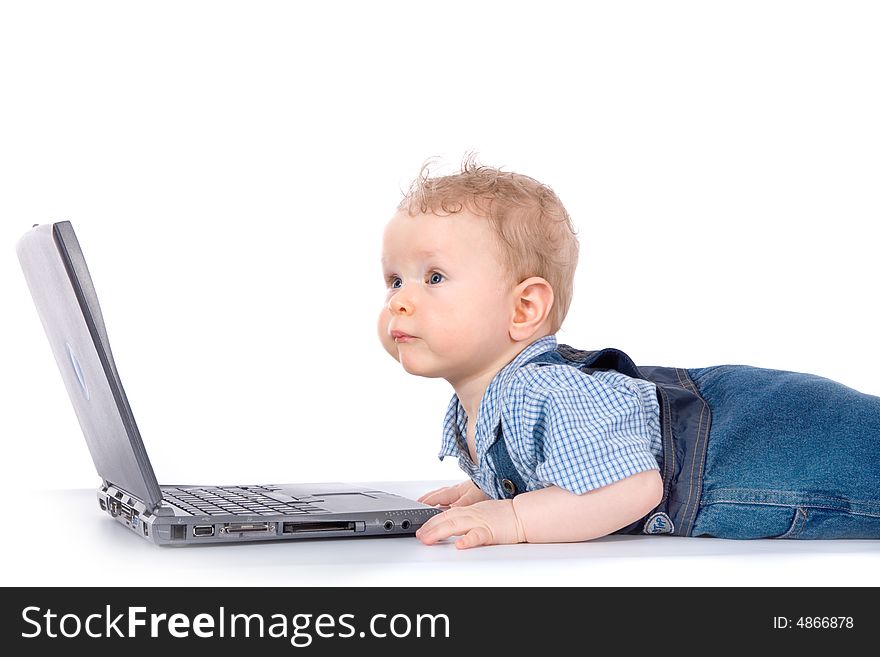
{"points": [[748, 452]]}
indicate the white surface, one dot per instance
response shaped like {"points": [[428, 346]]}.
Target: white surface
{"points": [[87, 547], [229, 168]]}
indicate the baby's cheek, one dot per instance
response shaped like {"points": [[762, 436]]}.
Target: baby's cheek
{"points": [[382, 331]]}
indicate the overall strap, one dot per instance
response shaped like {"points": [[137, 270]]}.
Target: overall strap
{"points": [[602, 359], [508, 476]]}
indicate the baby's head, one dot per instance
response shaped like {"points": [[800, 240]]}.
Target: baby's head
{"points": [[478, 265]]}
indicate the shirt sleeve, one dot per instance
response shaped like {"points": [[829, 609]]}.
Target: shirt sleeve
{"points": [[583, 432]]}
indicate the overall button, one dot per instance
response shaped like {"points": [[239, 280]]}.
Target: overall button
{"points": [[508, 486]]}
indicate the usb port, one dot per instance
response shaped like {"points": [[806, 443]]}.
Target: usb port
{"points": [[203, 530]]}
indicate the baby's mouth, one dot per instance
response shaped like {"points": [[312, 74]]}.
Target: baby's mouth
{"points": [[400, 336]]}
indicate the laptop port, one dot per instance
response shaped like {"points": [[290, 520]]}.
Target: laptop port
{"points": [[248, 527], [405, 524], [389, 525], [203, 530], [299, 527]]}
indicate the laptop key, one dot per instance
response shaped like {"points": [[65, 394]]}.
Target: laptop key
{"points": [[280, 497]]}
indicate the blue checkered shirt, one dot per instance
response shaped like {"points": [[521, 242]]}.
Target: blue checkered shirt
{"points": [[562, 427]]}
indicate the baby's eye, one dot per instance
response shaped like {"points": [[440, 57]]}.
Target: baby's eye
{"points": [[435, 278], [394, 282]]}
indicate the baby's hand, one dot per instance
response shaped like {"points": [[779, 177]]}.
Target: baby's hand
{"points": [[492, 522], [463, 494]]}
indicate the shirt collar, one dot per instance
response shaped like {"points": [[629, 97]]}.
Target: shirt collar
{"points": [[489, 414]]}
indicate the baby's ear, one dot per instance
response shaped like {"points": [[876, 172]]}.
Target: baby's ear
{"points": [[532, 301]]}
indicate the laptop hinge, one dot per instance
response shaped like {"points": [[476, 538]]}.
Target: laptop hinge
{"points": [[120, 493]]}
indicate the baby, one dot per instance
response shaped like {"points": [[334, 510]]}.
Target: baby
{"points": [[567, 445]]}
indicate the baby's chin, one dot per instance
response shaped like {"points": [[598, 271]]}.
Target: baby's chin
{"points": [[418, 364]]}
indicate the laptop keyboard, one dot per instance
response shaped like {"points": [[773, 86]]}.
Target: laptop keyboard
{"points": [[238, 501]]}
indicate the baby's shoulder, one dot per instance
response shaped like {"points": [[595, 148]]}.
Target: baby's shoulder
{"points": [[546, 381], [552, 379], [547, 376]]}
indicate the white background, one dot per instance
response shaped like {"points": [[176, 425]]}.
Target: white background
{"points": [[229, 168]]}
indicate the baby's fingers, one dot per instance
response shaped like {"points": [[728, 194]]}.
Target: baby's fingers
{"points": [[460, 500], [437, 496], [476, 536], [471, 497], [442, 526]]}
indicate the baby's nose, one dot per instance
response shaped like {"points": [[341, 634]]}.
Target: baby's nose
{"points": [[400, 306]]}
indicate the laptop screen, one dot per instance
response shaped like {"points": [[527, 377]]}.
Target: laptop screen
{"points": [[67, 304]]}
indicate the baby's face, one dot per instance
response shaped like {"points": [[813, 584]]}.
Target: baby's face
{"points": [[447, 292]]}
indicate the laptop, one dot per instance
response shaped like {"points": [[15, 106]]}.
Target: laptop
{"points": [[181, 515]]}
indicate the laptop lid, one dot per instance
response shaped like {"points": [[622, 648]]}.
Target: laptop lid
{"points": [[66, 301]]}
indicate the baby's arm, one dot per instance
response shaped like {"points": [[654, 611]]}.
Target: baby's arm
{"points": [[555, 515], [549, 515]]}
